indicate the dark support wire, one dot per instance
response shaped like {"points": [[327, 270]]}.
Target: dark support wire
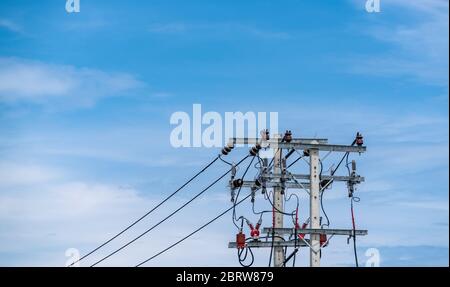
{"points": [[192, 233], [321, 198], [332, 173], [167, 217], [239, 191], [296, 248], [354, 199], [148, 213], [247, 251], [271, 247], [292, 255]]}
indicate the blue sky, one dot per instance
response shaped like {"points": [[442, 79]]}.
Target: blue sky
{"points": [[86, 98]]}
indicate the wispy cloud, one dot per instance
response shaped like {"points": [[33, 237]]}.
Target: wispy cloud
{"points": [[217, 29], [167, 28], [10, 25], [38, 82]]}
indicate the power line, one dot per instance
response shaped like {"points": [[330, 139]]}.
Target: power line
{"points": [[167, 217], [239, 191], [149, 212], [192, 233]]}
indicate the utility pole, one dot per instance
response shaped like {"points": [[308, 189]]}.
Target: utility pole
{"points": [[315, 184], [279, 255]]}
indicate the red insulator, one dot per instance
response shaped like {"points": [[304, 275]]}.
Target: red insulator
{"points": [[254, 231], [302, 235]]}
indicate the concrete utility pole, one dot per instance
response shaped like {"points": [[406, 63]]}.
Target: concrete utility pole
{"points": [[279, 255], [313, 183], [314, 206]]}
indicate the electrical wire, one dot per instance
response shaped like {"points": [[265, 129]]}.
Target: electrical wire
{"points": [[273, 237], [167, 217], [220, 157], [239, 191], [277, 210], [242, 260], [321, 198], [192, 233], [346, 154], [354, 199], [148, 213], [292, 163]]}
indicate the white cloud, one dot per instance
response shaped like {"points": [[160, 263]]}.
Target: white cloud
{"points": [[45, 220], [13, 174], [427, 204], [32, 81], [217, 28]]}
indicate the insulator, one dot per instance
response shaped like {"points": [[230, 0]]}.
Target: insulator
{"points": [[254, 150], [226, 150], [323, 240], [254, 234], [233, 193], [351, 188], [265, 135], [257, 183], [287, 136], [233, 171], [237, 183], [240, 240], [325, 182], [359, 139], [258, 224], [353, 165]]}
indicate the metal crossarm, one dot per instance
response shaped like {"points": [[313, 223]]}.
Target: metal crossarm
{"points": [[269, 244], [327, 231]]}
